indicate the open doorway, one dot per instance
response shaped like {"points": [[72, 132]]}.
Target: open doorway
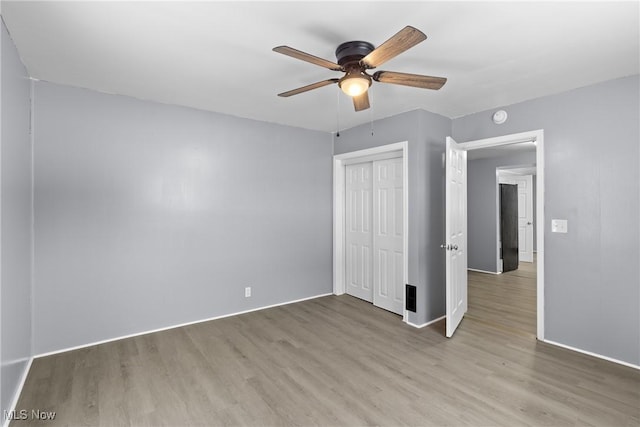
{"points": [[501, 196], [457, 243]]}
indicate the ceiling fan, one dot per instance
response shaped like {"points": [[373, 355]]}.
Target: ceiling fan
{"points": [[356, 57]]}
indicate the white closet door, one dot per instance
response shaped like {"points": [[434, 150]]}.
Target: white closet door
{"points": [[359, 238], [387, 235]]}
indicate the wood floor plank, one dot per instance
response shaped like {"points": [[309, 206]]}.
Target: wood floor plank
{"points": [[338, 360]]}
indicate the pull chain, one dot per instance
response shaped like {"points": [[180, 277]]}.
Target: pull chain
{"points": [[338, 116], [371, 115]]}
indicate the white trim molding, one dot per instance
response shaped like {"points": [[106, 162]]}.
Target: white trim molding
{"points": [[514, 138], [484, 271], [340, 161], [431, 322], [590, 353]]}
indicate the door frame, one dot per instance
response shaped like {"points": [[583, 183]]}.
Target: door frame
{"points": [[340, 161], [536, 136]]}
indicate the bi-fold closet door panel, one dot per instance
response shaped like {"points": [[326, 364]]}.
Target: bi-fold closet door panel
{"points": [[374, 233], [388, 249], [358, 230]]}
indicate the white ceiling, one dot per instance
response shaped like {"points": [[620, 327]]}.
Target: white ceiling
{"points": [[217, 55]]}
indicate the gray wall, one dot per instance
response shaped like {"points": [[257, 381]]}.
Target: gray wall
{"points": [[482, 208], [149, 215], [426, 134], [592, 291], [15, 214]]}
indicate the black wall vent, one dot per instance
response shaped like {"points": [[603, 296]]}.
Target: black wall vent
{"points": [[411, 298]]}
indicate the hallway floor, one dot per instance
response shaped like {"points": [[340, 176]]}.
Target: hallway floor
{"points": [[506, 301]]}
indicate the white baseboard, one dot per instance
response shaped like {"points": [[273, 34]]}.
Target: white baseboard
{"points": [[589, 353], [16, 396], [426, 324], [484, 271], [50, 353]]}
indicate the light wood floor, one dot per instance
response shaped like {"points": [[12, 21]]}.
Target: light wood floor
{"points": [[506, 301], [340, 361]]}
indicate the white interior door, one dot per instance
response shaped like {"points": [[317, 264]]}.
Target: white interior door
{"points": [[388, 245], [525, 217], [358, 231], [456, 234]]}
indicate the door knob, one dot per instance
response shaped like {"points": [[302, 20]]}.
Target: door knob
{"points": [[443, 246], [529, 223], [454, 247]]}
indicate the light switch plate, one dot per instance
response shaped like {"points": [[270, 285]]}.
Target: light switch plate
{"points": [[558, 225]]}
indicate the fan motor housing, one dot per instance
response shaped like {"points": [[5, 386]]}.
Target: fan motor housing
{"points": [[354, 51]]}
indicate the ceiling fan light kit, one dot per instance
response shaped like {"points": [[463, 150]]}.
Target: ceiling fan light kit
{"points": [[354, 58], [355, 84]]}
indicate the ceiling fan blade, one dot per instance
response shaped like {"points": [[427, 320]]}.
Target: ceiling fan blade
{"points": [[298, 54], [307, 88], [414, 80], [401, 41], [361, 102]]}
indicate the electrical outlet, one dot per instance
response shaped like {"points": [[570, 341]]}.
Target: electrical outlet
{"points": [[247, 292]]}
